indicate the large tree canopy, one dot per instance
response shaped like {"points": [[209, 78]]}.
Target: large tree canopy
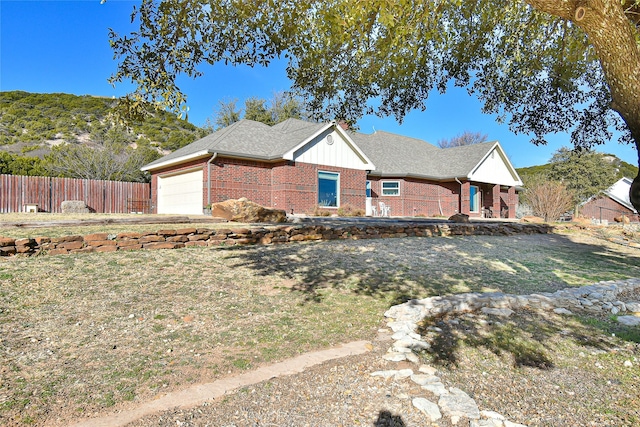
{"points": [[544, 66], [585, 173]]}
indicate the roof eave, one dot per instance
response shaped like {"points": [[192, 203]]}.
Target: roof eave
{"points": [[244, 156], [179, 160], [415, 176]]}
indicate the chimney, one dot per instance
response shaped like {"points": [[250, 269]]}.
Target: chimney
{"points": [[343, 124]]}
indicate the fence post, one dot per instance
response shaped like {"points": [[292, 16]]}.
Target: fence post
{"points": [[600, 207]]}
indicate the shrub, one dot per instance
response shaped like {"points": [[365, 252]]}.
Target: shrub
{"points": [[319, 211], [348, 210], [548, 199]]}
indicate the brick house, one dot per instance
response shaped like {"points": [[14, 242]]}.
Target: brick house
{"points": [[299, 166], [612, 203]]}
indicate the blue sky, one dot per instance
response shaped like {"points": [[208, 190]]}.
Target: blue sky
{"points": [[50, 46]]}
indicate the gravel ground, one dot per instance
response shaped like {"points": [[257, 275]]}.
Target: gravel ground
{"points": [[336, 393], [537, 369]]}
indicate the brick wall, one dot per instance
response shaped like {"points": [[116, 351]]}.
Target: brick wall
{"points": [[234, 178], [285, 185], [293, 187], [418, 198], [512, 201], [610, 210]]}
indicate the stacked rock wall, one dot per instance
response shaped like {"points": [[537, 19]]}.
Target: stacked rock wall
{"points": [[180, 238]]}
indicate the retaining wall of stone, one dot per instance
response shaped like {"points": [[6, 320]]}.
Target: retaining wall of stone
{"points": [[180, 238]]}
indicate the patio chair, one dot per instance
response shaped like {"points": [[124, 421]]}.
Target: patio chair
{"points": [[384, 209]]}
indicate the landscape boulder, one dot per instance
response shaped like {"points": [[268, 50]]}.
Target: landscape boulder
{"points": [[623, 219], [459, 217], [243, 210], [74, 206]]}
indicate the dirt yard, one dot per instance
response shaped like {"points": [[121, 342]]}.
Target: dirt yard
{"points": [[88, 334]]}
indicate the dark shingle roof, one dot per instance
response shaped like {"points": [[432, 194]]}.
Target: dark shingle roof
{"points": [[396, 155], [247, 138], [393, 155]]}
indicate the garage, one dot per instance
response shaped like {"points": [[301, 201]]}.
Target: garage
{"points": [[181, 193]]}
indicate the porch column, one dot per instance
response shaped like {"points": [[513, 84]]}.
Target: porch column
{"points": [[495, 197], [512, 200], [465, 198]]}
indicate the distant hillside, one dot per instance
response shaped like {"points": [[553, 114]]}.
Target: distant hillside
{"points": [[623, 169], [31, 123]]}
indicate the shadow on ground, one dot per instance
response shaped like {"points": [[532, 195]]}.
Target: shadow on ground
{"points": [[387, 419], [404, 268], [526, 339]]}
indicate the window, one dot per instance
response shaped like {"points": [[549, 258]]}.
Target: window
{"points": [[368, 188], [328, 189], [390, 188], [474, 199]]}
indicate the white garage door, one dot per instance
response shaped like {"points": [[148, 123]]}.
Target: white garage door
{"points": [[180, 194]]}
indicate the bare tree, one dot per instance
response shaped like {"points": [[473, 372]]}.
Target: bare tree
{"points": [[279, 108], [225, 115], [464, 138], [80, 161], [548, 199]]}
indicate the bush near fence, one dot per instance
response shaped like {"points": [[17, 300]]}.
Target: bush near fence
{"points": [[16, 192]]}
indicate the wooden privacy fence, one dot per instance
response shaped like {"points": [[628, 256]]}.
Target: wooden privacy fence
{"points": [[16, 192]]}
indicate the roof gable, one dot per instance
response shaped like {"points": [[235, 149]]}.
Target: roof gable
{"points": [[495, 168], [620, 192], [330, 146]]}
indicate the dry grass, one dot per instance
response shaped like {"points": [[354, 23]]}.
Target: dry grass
{"points": [[542, 369], [29, 224], [43, 216], [83, 333]]}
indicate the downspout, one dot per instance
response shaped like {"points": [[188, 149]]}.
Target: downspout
{"points": [[460, 200], [209, 177]]}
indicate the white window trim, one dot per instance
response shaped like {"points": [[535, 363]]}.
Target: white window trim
{"points": [[389, 195], [338, 189]]}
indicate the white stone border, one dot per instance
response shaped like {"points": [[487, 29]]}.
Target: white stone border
{"points": [[601, 296], [453, 402]]}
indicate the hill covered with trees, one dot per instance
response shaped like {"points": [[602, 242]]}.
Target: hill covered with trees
{"points": [[612, 164], [42, 134], [35, 118]]}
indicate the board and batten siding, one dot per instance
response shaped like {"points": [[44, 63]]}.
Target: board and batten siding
{"points": [[330, 149], [48, 193]]}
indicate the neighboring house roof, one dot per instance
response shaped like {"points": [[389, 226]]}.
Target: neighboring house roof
{"points": [[620, 193], [385, 153]]}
